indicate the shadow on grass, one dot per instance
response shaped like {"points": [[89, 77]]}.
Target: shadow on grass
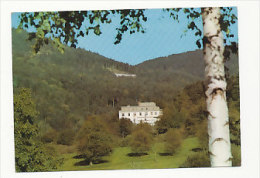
{"points": [[197, 149], [165, 154], [78, 156], [136, 154], [87, 162], [82, 163]]}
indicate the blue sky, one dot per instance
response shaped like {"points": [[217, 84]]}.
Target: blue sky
{"points": [[163, 36]]}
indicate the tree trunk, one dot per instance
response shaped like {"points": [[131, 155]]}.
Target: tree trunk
{"points": [[218, 122]]}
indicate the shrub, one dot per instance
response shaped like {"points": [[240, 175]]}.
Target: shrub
{"points": [[199, 159], [190, 126], [125, 141], [145, 127], [236, 153], [66, 137], [49, 136], [202, 134]]}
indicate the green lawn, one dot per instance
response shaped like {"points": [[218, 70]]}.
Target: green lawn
{"points": [[119, 159]]}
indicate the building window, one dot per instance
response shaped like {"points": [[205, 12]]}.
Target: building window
{"points": [[134, 114], [151, 113], [155, 113], [140, 113], [123, 114], [128, 114]]}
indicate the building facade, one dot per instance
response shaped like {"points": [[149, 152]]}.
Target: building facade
{"points": [[146, 112], [125, 75]]}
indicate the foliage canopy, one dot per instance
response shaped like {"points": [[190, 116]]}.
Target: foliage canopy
{"points": [[64, 27], [30, 154]]}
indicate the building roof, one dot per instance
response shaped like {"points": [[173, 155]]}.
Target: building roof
{"points": [[148, 104], [145, 106]]}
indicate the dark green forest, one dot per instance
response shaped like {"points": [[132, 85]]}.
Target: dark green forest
{"points": [[70, 103]]}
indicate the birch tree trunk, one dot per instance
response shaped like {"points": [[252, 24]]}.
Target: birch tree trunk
{"points": [[218, 121]]}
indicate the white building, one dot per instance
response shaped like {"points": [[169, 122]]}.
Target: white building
{"points": [[147, 112], [125, 75]]}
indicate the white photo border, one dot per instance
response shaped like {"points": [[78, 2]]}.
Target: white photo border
{"points": [[248, 36]]}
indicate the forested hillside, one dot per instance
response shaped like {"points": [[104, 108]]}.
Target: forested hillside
{"points": [[73, 88], [185, 67]]}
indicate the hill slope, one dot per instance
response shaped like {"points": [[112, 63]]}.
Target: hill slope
{"points": [[189, 64], [68, 87]]}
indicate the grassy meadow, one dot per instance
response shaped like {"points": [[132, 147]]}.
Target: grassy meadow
{"points": [[119, 158]]}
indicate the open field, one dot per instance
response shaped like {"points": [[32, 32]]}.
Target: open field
{"points": [[120, 160]]}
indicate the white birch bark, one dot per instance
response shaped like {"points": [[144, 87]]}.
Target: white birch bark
{"points": [[218, 121]]}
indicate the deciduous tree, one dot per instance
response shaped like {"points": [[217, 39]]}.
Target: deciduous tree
{"points": [[125, 127], [93, 140], [173, 140], [30, 154], [140, 141]]}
